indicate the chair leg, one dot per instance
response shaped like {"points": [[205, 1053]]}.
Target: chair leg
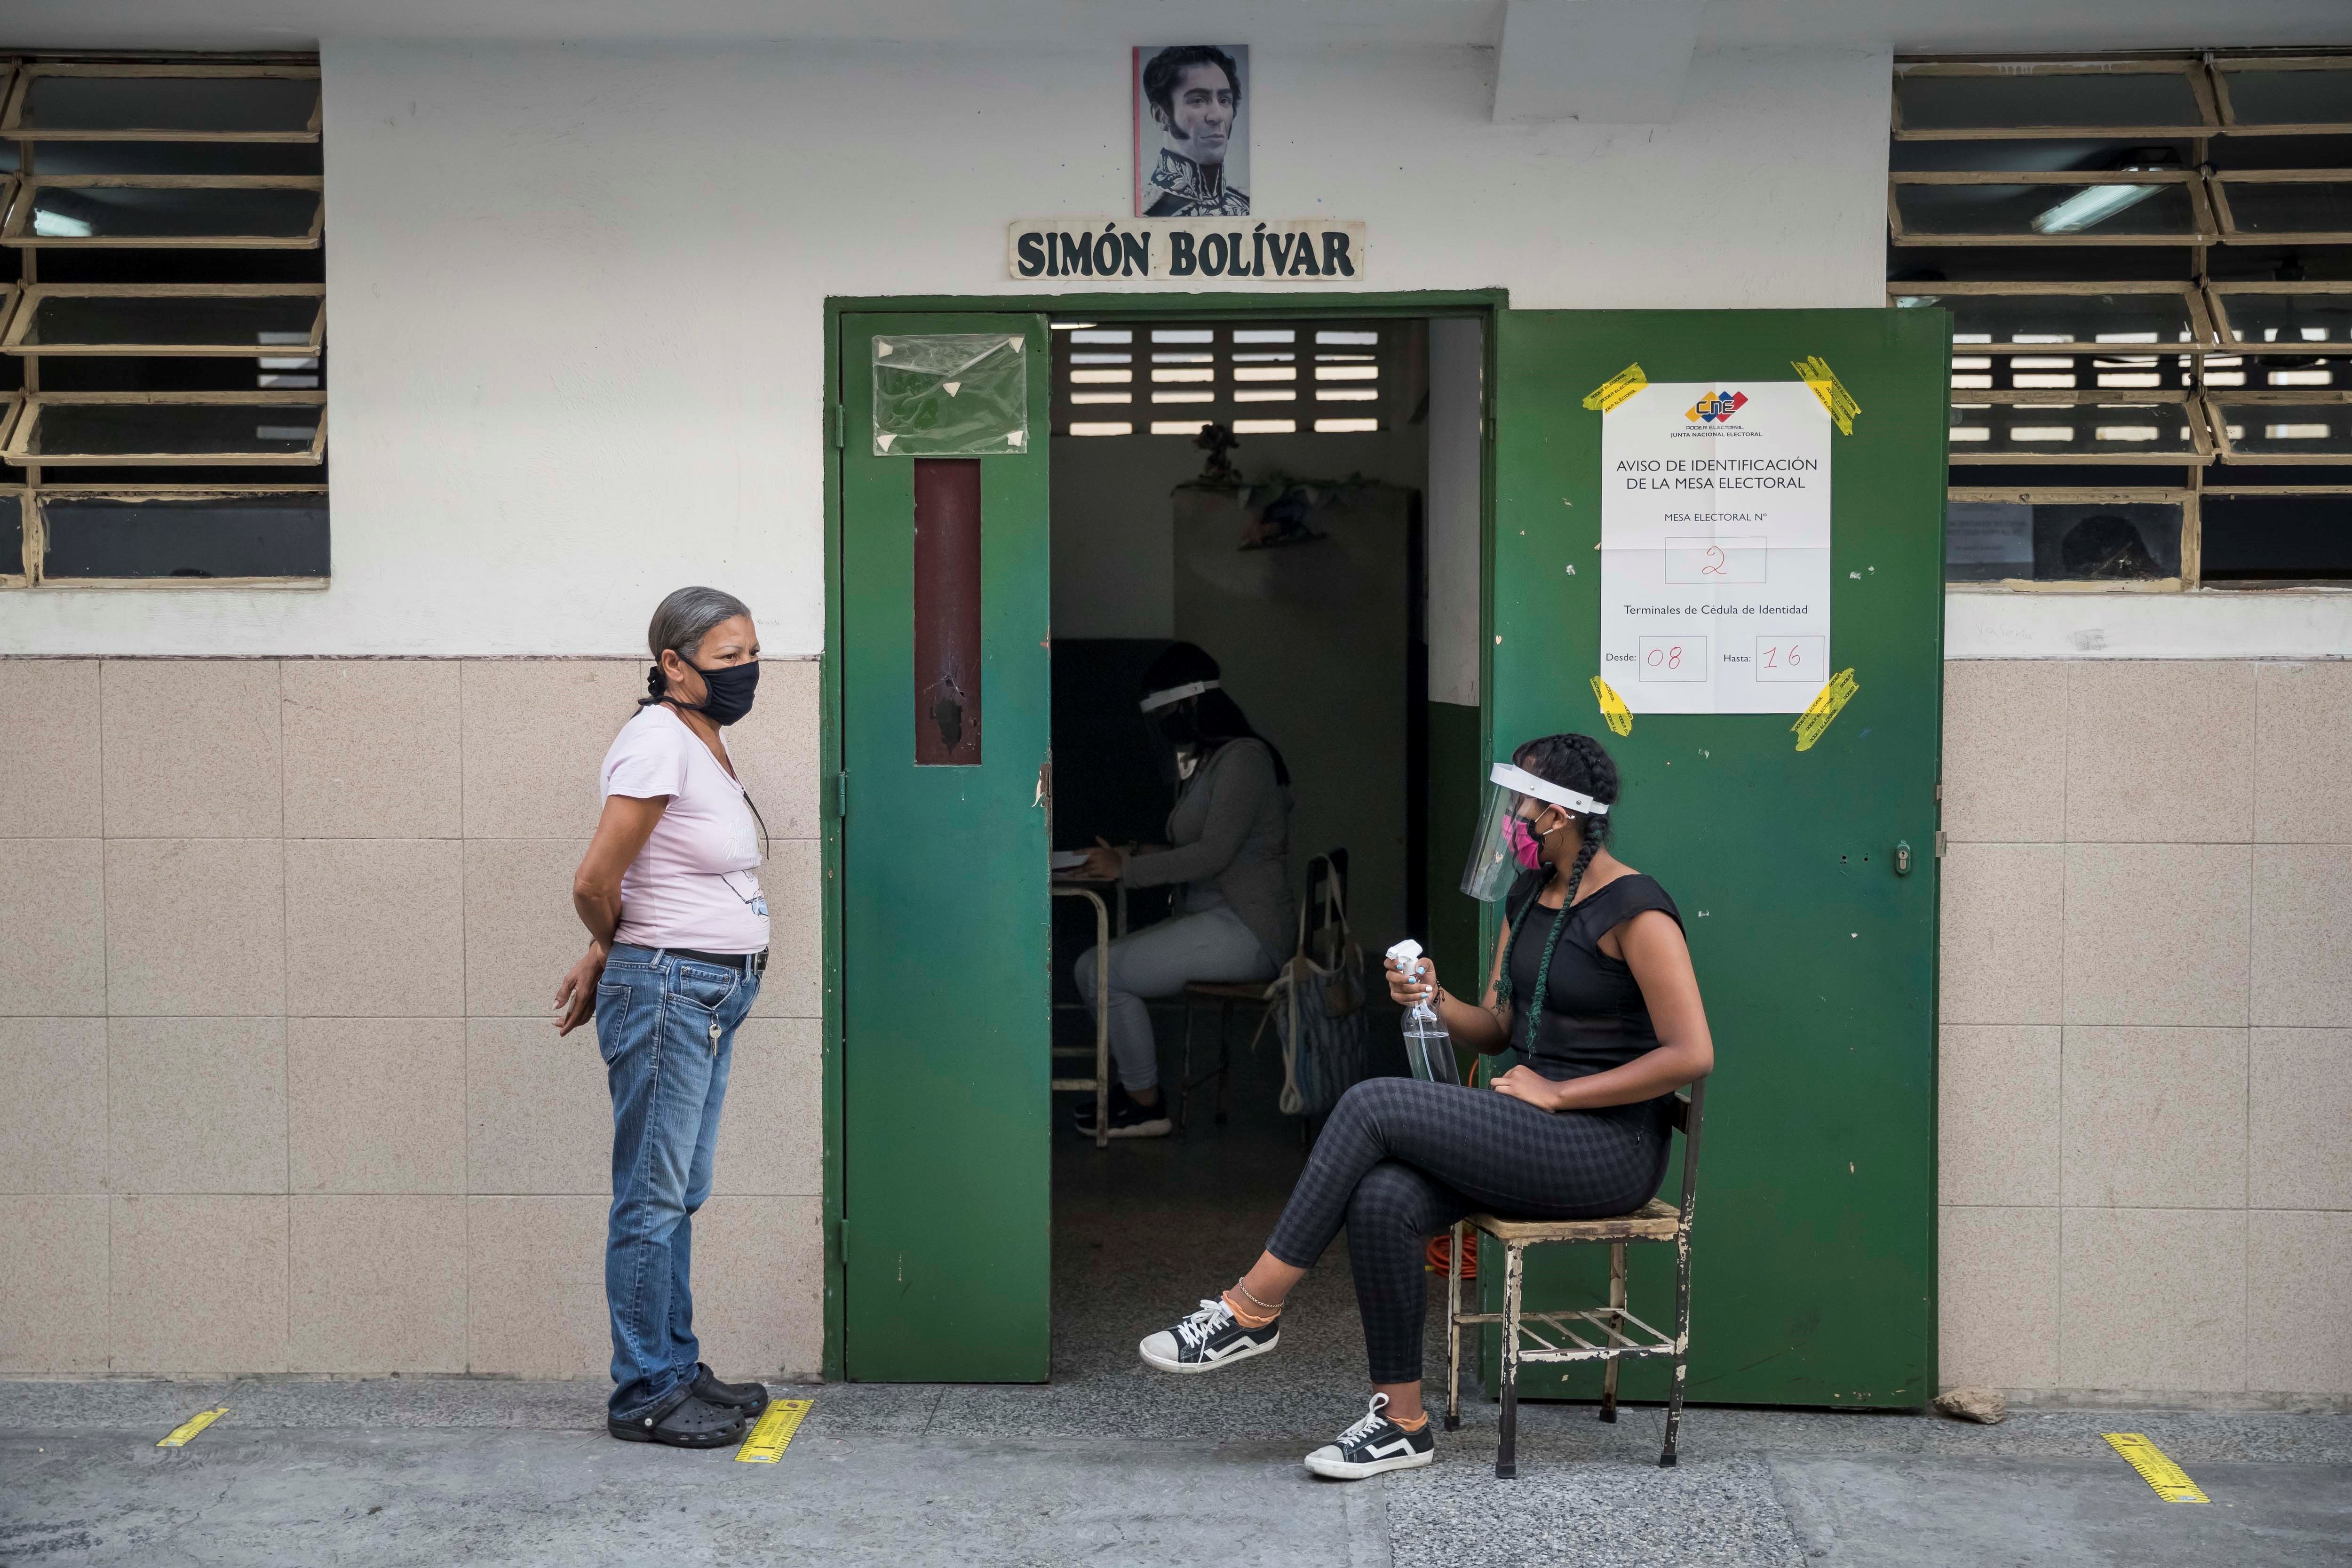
{"points": [[1506, 1456], [1454, 1329], [1184, 1075], [1682, 1346], [1225, 1060], [1617, 1323]]}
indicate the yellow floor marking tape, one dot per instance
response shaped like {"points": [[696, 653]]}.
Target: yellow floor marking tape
{"points": [[1825, 706], [2171, 1481], [191, 1427], [1613, 708], [1616, 389], [773, 1435]]}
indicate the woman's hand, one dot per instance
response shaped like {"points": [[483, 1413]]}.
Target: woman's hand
{"points": [[1105, 862], [1523, 1082], [575, 996], [1415, 981]]}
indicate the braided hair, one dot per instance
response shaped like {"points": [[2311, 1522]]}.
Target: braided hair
{"points": [[1577, 762]]}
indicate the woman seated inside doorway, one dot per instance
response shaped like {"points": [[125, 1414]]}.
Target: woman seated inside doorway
{"points": [[1230, 834], [1592, 980]]}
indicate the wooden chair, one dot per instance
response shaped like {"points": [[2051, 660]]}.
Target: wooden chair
{"points": [[1654, 1221]]}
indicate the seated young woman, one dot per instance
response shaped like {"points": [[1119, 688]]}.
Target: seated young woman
{"points": [[1591, 982]]}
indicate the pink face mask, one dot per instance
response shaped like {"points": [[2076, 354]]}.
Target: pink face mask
{"points": [[1525, 845]]}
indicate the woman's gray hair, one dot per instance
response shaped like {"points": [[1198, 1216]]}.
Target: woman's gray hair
{"points": [[680, 623]]}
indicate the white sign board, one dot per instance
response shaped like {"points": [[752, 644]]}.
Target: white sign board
{"points": [[1188, 250], [1714, 547]]}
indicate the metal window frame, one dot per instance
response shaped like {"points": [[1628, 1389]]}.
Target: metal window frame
{"points": [[17, 449], [2216, 400], [11, 408], [2233, 126], [2200, 210], [2227, 341], [2087, 495], [2200, 321], [2198, 86], [35, 576], [2199, 437], [21, 207], [2220, 181], [12, 116], [12, 340]]}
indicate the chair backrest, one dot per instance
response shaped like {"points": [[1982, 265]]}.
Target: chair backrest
{"points": [[1689, 1106]]}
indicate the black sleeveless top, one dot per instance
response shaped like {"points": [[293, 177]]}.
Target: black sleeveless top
{"points": [[1595, 1018]]}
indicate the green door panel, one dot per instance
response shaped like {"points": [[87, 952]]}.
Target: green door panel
{"points": [[1813, 1271], [945, 1185]]}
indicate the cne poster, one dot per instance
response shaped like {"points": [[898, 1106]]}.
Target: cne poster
{"points": [[1714, 547]]}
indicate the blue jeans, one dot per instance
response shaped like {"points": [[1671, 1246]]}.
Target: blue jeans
{"points": [[666, 1027]]}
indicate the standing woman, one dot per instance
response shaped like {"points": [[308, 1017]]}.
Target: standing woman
{"points": [[677, 940], [1593, 982], [1235, 916]]}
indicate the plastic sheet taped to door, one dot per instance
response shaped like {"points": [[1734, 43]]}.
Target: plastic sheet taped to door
{"points": [[951, 394]]}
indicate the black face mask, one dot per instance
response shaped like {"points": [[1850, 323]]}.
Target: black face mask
{"points": [[727, 694], [1180, 726]]}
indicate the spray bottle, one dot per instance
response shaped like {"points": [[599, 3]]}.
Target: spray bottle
{"points": [[1428, 1048]]}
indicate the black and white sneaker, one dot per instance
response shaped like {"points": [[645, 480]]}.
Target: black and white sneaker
{"points": [[1128, 1119], [1374, 1446], [1209, 1339]]}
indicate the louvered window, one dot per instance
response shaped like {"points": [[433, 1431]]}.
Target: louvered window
{"points": [[1254, 377], [163, 322], [2148, 262]]}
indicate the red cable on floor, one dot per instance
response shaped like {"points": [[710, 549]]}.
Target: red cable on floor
{"points": [[1440, 1245]]}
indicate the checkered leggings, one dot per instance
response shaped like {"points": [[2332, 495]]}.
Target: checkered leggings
{"points": [[1401, 1160]]}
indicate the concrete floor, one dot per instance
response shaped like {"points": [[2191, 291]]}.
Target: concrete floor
{"points": [[1112, 1463]]}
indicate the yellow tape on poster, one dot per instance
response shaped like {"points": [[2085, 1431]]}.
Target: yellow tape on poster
{"points": [[1824, 707], [1613, 708], [2171, 1481], [191, 1427], [1815, 372], [1616, 389], [773, 1435]]}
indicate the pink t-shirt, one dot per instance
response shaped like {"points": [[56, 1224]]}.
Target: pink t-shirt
{"points": [[697, 882]]}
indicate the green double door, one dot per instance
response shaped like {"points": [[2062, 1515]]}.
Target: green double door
{"points": [[1814, 1259]]}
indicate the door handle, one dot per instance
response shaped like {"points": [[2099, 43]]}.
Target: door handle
{"points": [[1902, 857]]}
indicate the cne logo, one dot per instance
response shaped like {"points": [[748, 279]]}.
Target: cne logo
{"points": [[1716, 407]]}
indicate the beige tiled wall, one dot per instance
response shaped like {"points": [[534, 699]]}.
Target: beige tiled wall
{"points": [[277, 1092], [277, 1087], [2146, 1052]]}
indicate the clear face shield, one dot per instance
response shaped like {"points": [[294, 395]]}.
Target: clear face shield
{"points": [[1183, 736], [1505, 847]]}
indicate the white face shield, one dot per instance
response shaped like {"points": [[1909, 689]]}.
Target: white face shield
{"points": [[1505, 847], [1170, 695]]}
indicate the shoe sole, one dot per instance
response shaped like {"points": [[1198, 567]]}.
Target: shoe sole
{"points": [[1159, 1127], [1338, 1470], [1185, 1369], [642, 1434]]}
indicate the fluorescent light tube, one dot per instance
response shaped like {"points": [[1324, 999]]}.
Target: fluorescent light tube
{"points": [[2090, 206]]}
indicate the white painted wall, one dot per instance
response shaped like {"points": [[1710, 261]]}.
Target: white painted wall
{"points": [[2235, 624], [576, 292]]}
